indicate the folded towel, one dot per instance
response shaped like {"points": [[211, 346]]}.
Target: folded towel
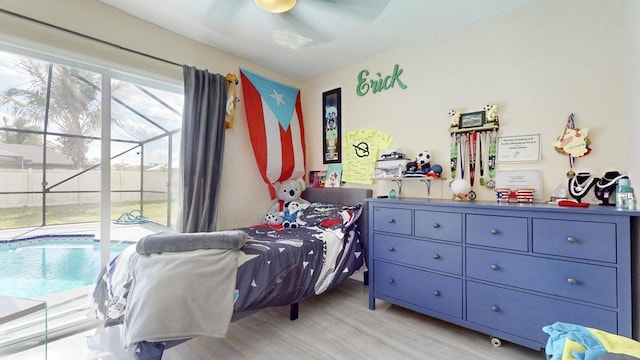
{"points": [[172, 242]]}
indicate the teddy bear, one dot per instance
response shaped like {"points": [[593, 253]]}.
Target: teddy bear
{"points": [[291, 215], [282, 211]]}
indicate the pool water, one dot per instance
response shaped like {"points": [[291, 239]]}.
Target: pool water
{"points": [[34, 268]]}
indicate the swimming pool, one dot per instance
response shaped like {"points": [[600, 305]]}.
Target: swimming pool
{"points": [[48, 264]]}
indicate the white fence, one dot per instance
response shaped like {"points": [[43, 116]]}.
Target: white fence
{"points": [[28, 180]]}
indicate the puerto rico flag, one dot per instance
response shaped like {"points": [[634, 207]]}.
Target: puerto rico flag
{"points": [[274, 115]]}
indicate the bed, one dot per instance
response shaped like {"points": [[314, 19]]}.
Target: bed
{"points": [[156, 301]]}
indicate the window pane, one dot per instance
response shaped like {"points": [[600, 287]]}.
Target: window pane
{"points": [[21, 92], [75, 102]]}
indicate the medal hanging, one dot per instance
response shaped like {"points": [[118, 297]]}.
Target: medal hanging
{"points": [[481, 157], [453, 154], [493, 146], [471, 139], [573, 142]]}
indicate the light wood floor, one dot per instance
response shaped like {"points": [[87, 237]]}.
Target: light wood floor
{"points": [[336, 325]]}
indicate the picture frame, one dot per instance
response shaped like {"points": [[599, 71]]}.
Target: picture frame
{"points": [[472, 120], [334, 176], [331, 126]]}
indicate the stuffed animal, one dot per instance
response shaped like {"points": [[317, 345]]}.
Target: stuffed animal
{"points": [[273, 218], [287, 191], [291, 216]]}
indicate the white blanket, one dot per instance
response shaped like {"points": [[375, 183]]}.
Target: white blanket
{"points": [[180, 295]]}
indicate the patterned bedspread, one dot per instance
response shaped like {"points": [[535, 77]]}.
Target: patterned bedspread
{"points": [[277, 266], [281, 266]]}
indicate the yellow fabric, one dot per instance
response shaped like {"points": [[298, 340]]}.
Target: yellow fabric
{"points": [[360, 152], [569, 346], [616, 344]]}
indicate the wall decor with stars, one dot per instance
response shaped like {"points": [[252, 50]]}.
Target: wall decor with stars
{"points": [[276, 129]]}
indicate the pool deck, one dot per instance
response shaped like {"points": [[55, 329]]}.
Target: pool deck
{"points": [[132, 232]]}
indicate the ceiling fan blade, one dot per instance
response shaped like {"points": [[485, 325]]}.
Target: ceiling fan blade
{"points": [[222, 11], [295, 32], [362, 10]]}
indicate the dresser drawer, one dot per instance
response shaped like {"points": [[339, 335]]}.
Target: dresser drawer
{"points": [[427, 254], [391, 220], [503, 232], [576, 239], [422, 288], [590, 283], [438, 225], [524, 315]]}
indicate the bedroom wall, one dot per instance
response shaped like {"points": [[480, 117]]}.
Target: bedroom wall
{"points": [[244, 198], [538, 64]]}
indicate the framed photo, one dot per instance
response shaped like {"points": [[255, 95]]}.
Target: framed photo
{"points": [[331, 127], [334, 175], [317, 178], [471, 120]]}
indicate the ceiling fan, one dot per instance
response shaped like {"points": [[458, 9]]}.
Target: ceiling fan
{"points": [[292, 23]]}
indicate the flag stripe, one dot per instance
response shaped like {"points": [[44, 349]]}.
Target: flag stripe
{"points": [[277, 134]]}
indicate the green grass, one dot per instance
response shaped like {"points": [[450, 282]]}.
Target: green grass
{"points": [[68, 214]]}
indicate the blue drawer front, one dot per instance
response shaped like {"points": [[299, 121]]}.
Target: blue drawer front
{"points": [[396, 221], [524, 315], [427, 254], [577, 239], [438, 225], [500, 232], [590, 283], [422, 288]]}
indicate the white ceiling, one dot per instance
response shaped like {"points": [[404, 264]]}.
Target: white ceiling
{"points": [[317, 36]]}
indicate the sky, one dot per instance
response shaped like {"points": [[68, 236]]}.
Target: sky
{"points": [[133, 126]]}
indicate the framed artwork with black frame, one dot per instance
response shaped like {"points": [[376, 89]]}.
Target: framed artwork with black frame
{"points": [[331, 125], [472, 120]]}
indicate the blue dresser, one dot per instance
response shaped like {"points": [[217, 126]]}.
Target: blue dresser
{"points": [[504, 269]]}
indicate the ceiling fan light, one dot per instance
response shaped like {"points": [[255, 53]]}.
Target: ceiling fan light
{"points": [[275, 6]]}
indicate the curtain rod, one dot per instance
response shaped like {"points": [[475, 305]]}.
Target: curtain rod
{"points": [[88, 37]]}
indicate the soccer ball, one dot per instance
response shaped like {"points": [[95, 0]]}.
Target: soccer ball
{"points": [[452, 112], [486, 107], [423, 159]]}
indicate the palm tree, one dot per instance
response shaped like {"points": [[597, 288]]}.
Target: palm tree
{"points": [[19, 137], [74, 104]]}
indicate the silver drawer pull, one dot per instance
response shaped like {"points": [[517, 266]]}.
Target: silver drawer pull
{"points": [[391, 221], [494, 267], [494, 231], [436, 225], [436, 256], [391, 249], [494, 308], [436, 293], [391, 281], [571, 239], [572, 281]]}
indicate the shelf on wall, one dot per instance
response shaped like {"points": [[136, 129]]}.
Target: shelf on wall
{"points": [[398, 181], [485, 127]]}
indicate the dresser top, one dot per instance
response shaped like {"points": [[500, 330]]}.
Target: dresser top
{"points": [[592, 209]]}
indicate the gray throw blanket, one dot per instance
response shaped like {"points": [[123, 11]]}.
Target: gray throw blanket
{"points": [[172, 242]]}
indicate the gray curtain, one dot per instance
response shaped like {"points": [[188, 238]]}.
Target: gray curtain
{"points": [[205, 98]]}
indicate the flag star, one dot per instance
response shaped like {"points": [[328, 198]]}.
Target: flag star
{"points": [[277, 97]]}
